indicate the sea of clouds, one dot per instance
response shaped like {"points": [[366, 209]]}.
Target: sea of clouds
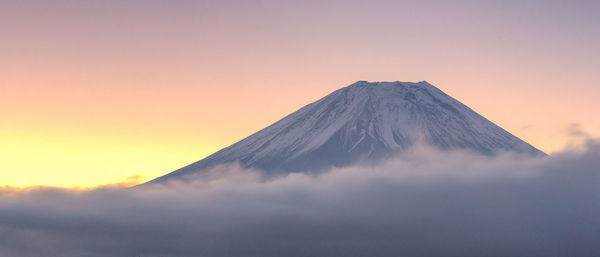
{"points": [[424, 202]]}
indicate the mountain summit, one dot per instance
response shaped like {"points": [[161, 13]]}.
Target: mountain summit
{"points": [[363, 121]]}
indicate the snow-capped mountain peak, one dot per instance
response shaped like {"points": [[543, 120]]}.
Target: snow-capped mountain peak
{"points": [[365, 120]]}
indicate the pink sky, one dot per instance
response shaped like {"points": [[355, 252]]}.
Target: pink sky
{"points": [[93, 93]]}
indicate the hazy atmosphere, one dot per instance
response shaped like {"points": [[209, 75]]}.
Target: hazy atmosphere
{"points": [[138, 88], [299, 128], [423, 202]]}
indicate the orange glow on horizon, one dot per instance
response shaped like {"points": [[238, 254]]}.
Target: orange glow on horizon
{"points": [[143, 89]]}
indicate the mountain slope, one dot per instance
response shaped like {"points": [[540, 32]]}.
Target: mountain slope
{"points": [[366, 120]]}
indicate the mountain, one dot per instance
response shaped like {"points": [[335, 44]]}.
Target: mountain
{"points": [[363, 121]]}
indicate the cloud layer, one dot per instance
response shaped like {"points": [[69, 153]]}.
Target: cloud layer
{"points": [[422, 203]]}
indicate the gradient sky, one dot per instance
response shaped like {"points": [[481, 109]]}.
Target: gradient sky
{"points": [[94, 92]]}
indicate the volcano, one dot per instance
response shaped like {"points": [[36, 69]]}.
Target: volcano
{"points": [[365, 121]]}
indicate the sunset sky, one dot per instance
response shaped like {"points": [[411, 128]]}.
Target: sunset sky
{"points": [[96, 92]]}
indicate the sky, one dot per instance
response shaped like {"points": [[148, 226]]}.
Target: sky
{"points": [[97, 92]]}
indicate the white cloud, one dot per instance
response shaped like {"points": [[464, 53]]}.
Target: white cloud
{"points": [[422, 203]]}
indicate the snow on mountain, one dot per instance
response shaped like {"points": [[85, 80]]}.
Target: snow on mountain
{"points": [[363, 121]]}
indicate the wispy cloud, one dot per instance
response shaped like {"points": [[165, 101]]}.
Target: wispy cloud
{"points": [[422, 203]]}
